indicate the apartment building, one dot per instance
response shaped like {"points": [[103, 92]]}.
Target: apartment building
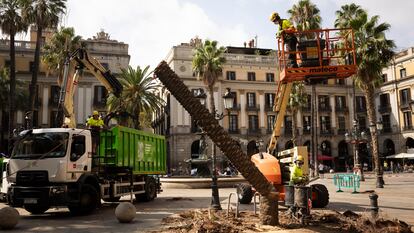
{"points": [[394, 99], [252, 75], [90, 95]]}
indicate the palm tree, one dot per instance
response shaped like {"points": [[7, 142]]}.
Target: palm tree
{"points": [[11, 23], [138, 97], [60, 45], [231, 148], [373, 53], [298, 99], [43, 14], [306, 16], [346, 14], [208, 63]]}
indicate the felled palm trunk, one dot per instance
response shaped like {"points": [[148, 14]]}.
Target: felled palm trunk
{"points": [[220, 137]]}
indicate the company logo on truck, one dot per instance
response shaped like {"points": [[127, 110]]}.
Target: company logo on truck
{"points": [[323, 69]]}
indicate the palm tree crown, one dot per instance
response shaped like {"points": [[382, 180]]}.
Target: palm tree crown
{"points": [[139, 94], [305, 15]]}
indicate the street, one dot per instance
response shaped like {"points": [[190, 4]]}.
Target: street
{"points": [[396, 200]]}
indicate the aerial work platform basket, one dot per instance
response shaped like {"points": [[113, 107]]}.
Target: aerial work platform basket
{"points": [[320, 54]]}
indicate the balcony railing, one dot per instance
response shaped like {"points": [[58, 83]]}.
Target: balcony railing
{"points": [[384, 108], [234, 131], [253, 131], [326, 132], [252, 107], [387, 130], [343, 109], [325, 108], [341, 131], [268, 108], [407, 127], [306, 109], [306, 131], [235, 107], [361, 109]]}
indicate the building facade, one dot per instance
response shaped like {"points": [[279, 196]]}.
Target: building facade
{"points": [[252, 75], [90, 95], [393, 100]]}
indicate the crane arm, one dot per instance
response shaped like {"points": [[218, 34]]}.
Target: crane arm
{"points": [[74, 66], [281, 101]]}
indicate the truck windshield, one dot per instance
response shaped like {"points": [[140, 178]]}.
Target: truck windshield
{"points": [[34, 146]]}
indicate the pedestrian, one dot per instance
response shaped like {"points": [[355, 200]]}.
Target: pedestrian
{"points": [[321, 169], [296, 173], [286, 31]]}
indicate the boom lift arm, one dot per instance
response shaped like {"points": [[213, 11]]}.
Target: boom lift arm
{"points": [[74, 65]]}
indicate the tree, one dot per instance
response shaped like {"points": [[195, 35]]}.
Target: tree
{"points": [[373, 53], [43, 14], [306, 16], [138, 97], [11, 21], [56, 50], [208, 63]]}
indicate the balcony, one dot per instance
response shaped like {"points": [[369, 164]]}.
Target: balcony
{"points": [[326, 132], [306, 109], [235, 107], [404, 105], [384, 108], [361, 109], [268, 108], [387, 130], [407, 128], [325, 108], [234, 131], [253, 108], [253, 131], [99, 104], [306, 130], [341, 109], [341, 131]]}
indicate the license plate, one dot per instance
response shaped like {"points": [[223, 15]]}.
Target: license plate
{"points": [[30, 201]]}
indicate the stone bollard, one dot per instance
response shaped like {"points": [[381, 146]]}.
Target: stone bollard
{"points": [[374, 205], [9, 217], [125, 212]]}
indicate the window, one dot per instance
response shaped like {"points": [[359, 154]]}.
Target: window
{"points": [[341, 124], [54, 95], [269, 100], [340, 102], [384, 78], [306, 124], [251, 76], [386, 122], [361, 104], [403, 73], [384, 99], [340, 81], [231, 75], [407, 120], [325, 124], [251, 100], [235, 99], [233, 123], [270, 77], [100, 95], [405, 96], [323, 102], [270, 123], [362, 123], [288, 124], [253, 123]]}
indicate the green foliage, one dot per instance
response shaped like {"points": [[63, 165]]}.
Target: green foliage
{"points": [[305, 15], [208, 62], [21, 95], [139, 96], [43, 13], [11, 18], [298, 97], [60, 45]]}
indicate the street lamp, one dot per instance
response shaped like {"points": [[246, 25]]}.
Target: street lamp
{"points": [[228, 98], [380, 180], [356, 137]]}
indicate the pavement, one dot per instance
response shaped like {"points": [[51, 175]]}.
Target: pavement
{"points": [[396, 200]]}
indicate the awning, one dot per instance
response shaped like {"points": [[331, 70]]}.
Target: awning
{"points": [[401, 156]]}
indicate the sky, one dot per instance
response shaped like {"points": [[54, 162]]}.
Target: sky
{"points": [[153, 27]]}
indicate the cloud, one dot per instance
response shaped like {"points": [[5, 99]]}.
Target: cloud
{"points": [[150, 28]]}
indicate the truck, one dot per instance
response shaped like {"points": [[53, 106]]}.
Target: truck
{"points": [[4, 185], [56, 167], [322, 54]]}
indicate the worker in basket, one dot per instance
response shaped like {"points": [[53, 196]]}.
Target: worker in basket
{"points": [[287, 32], [296, 172], [95, 124]]}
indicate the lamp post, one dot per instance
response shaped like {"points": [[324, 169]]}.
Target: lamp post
{"points": [[380, 180], [356, 137], [228, 98]]}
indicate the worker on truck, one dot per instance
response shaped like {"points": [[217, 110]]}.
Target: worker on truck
{"points": [[95, 124], [296, 172], [287, 32]]}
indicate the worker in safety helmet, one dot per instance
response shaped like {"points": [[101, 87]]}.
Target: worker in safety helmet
{"points": [[296, 173], [287, 32], [95, 124]]}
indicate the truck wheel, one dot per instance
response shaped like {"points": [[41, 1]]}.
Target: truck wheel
{"points": [[244, 193], [88, 201], [150, 188], [321, 194], [36, 209]]}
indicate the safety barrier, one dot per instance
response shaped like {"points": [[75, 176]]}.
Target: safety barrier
{"points": [[350, 181]]}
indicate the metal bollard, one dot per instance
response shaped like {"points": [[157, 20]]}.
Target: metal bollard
{"points": [[254, 200], [237, 205], [374, 205]]}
